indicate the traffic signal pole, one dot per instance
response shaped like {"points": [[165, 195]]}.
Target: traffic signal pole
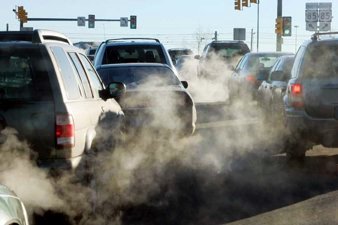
{"points": [[279, 35]]}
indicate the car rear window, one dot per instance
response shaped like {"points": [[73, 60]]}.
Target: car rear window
{"points": [[23, 74], [227, 49], [134, 76], [133, 53], [321, 60]]}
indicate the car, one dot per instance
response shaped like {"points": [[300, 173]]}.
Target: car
{"points": [[272, 90], [155, 98], [310, 102], [53, 97], [12, 209], [132, 50], [217, 56], [249, 73], [177, 52]]}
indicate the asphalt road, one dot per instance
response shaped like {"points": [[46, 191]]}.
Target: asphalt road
{"points": [[226, 175]]}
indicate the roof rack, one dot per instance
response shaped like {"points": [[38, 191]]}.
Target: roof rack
{"points": [[125, 39], [36, 36], [316, 35]]}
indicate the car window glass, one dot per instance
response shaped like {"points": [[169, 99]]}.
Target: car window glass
{"points": [[134, 76], [133, 53], [94, 80], [323, 58], [67, 72], [82, 75], [297, 62], [23, 74]]}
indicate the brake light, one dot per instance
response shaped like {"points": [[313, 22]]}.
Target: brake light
{"points": [[296, 89], [64, 131], [251, 79], [296, 95]]}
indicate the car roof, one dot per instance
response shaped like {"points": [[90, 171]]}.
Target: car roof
{"points": [[132, 41], [104, 66], [40, 36], [269, 53]]}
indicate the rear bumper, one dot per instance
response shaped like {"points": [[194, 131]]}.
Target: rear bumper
{"points": [[316, 130], [59, 164]]}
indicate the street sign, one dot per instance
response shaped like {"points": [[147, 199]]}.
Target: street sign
{"points": [[311, 5], [325, 5], [239, 34], [318, 12], [311, 15], [124, 22], [81, 21], [324, 26], [325, 15], [311, 26]]}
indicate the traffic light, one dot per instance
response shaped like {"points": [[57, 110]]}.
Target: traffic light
{"points": [[253, 1], [132, 22], [22, 14], [237, 4], [279, 26], [91, 21], [245, 3], [287, 26]]}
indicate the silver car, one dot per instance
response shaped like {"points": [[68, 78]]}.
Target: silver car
{"points": [[12, 209]]}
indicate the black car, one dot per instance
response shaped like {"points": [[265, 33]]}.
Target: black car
{"points": [[154, 98], [311, 100], [218, 55]]}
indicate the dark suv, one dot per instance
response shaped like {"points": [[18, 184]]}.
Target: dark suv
{"points": [[52, 96], [311, 100], [219, 53]]}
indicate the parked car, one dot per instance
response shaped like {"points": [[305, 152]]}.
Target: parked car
{"points": [[132, 50], [154, 97], [249, 73], [177, 52], [220, 52], [272, 90], [12, 209], [52, 95], [311, 99]]}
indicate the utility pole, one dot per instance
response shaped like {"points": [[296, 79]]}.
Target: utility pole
{"points": [[215, 36], [252, 34], [258, 2], [279, 15]]}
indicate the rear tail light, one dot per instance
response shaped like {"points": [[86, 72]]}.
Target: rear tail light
{"points": [[251, 79], [64, 131], [296, 95]]}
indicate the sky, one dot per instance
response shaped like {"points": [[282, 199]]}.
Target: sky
{"points": [[176, 23]]}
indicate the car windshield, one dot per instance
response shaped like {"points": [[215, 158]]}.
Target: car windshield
{"points": [[133, 53], [225, 50], [139, 75], [321, 61]]}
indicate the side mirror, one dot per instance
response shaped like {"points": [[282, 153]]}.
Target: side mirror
{"points": [[184, 83], [278, 76], [114, 90], [197, 57]]}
